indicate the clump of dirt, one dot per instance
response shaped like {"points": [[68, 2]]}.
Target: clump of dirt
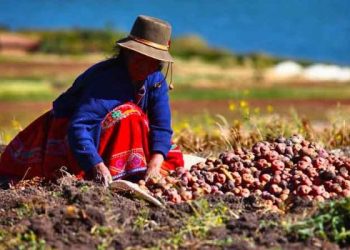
{"points": [[74, 214]]}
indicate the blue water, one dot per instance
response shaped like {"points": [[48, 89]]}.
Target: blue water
{"points": [[312, 29]]}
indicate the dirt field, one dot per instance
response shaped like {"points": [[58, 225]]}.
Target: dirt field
{"points": [[315, 110], [81, 215]]}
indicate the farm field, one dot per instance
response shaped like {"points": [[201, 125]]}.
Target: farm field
{"points": [[216, 110]]}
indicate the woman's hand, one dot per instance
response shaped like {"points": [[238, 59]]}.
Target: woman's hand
{"points": [[102, 175], [153, 169]]}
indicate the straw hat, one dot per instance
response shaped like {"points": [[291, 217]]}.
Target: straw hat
{"points": [[149, 36]]}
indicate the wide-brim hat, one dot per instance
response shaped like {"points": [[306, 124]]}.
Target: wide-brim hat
{"points": [[149, 36]]}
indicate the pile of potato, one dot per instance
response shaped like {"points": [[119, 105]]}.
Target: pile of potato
{"points": [[276, 171]]}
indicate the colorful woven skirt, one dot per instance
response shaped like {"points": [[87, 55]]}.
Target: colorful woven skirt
{"points": [[42, 149]]}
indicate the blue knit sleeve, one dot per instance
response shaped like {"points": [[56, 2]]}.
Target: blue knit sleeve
{"points": [[159, 115], [84, 132]]}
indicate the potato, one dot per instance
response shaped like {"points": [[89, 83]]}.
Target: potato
{"points": [[303, 190], [277, 165]]}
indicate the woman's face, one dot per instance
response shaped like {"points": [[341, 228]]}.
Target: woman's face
{"points": [[140, 66]]}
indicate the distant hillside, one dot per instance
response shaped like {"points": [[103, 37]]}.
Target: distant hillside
{"points": [[79, 41]]}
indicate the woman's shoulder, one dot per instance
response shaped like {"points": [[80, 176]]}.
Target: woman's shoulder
{"points": [[100, 67]]}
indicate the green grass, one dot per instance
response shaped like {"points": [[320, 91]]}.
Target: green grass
{"points": [[276, 92], [25, 89], [40, 89]]}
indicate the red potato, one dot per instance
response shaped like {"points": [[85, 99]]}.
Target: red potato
{"points": [[209, 177], [275, 189], [317, 190], [273, 155], [277, 165], [339, 179], [186, 195], [311, 171], [245, 192], [272, 170], [262, 163], [175, 198], [265, 178], [344, 172], [284, 197], [207, 188], [303, 165], [303, 190], [305, 143], [289, 151], [336, 188], [276, 179], [258, 192], [214, 189], [196, 195], [307, 159], [264, 150], [267, 196], [346, 193], [171, 180], [319, 198], [326, 195], [306, 180], [296, 148], [346, 184], [237, 191], [247, 178], [281, 148], [278, 172], [319, 162], [221, 178]]}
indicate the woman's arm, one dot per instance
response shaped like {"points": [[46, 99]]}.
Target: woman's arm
{"points": [[160, 127], [159, 115], [83, 136]]}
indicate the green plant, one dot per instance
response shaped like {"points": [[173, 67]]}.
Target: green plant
{"points": [[105, 235], [197, 226], [331, 222]]}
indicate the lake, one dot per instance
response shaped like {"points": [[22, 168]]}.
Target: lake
{"points": [[315, 29]]}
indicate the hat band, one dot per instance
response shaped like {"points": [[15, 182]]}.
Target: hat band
{"points": [[149, 43]]}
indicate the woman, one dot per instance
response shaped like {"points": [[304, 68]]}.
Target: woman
{"points": [[114, 122]]}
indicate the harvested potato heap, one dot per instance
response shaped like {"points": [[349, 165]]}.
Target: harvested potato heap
{"points": [[276, 171]]}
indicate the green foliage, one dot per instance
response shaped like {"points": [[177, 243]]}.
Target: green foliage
{"points": [[104, 234], [142, 222], [331, 222], [25, 89], [80, 41], [21, 241], [188, 47], [25, 210], [31, 241], [77, 41]]}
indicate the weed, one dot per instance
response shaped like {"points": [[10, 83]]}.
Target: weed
{"points": [[21, 241], [197, 226], [331, 222], [142, 222], [105, 235], [25, 210]]}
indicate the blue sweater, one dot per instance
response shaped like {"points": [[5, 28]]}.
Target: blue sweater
{"points": [[95, 93]]}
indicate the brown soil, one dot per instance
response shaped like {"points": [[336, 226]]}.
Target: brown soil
{"points": [[74, 214], [43, 68]]}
